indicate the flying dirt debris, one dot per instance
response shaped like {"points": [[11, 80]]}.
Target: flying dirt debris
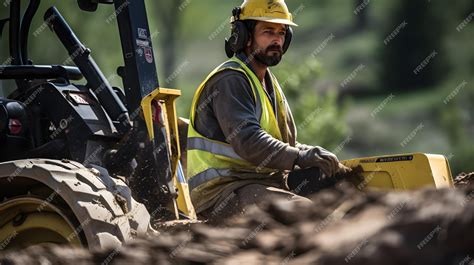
{"points": [[426, 226]]}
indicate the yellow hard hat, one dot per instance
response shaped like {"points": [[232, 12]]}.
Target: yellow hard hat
{"points": [[274, 11]]}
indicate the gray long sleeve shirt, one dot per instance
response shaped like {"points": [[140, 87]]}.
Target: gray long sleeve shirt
{"points": [[226, 111]]}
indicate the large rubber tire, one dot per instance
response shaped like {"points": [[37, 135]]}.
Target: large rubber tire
{"points": [[102, 206]]}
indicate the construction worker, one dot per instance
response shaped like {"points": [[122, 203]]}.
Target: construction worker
{"points": [[242, 138]]}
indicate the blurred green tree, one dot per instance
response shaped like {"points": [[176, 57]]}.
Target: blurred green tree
{"points": [[411, 49], [319, 118], [167, 14]]}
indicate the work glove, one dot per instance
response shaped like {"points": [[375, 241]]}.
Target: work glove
{"points": [[303, 147], [343, 170], [321, 158]]}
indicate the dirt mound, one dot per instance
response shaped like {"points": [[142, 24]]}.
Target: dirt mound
{"points": [[422, 227], [464, 179]]}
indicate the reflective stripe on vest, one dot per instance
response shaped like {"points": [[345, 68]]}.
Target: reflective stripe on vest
{"points": [[211, 147], [209, 159], [207, 175]]}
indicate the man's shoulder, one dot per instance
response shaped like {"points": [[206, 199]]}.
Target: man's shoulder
{"points": [[227, 83], [227, 76]]}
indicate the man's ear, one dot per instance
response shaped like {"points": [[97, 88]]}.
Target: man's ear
{"points": [[249, 41]]}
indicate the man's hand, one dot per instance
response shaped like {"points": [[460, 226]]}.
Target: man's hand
{"points": [[343, 169], [319, 157]]}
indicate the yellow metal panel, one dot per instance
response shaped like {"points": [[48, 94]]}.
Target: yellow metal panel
{"points": [[441, 170], [403, 171], [167, 98]]}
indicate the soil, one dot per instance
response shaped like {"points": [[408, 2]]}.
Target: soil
{"points": [[346, 227]]}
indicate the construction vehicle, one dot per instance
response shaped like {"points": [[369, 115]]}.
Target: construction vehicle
{"points": [[66, 147], [89, 165]]}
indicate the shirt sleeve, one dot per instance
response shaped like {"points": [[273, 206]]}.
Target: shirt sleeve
{"points": [[234, 107]]}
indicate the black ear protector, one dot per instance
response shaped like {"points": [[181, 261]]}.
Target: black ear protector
{"points": [[240, 35]]}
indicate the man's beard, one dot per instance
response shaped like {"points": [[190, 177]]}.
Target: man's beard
{"points": [[269, 60]]}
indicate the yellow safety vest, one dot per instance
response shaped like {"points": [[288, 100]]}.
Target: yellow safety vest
{"points": [[208, 159]]}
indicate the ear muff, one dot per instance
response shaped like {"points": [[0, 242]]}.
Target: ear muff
{"points": [[288, 37], [239, 34], [239, 37]]}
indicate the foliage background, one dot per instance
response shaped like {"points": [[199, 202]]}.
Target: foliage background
{"points": [[352, 93]]}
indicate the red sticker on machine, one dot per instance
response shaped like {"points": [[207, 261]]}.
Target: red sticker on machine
{"points": [[148, 54]]}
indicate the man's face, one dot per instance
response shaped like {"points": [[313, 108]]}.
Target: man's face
{"points": [[267, 42]]}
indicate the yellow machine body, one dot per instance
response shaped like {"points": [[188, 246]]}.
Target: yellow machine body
{"points": [[403, 171]]}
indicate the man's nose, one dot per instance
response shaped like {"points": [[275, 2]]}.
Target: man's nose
{"points": [[278, 40]]}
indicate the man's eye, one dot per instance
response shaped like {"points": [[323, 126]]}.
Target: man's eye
{"points": [[282, 33]]}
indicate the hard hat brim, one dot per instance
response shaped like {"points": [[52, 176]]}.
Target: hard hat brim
{"points": [[273, 20]]}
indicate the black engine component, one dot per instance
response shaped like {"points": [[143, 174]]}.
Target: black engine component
{"points": [[14, 139]]}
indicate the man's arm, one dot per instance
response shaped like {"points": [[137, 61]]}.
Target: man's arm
{"points": [[234, 108], [303, 146]]}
